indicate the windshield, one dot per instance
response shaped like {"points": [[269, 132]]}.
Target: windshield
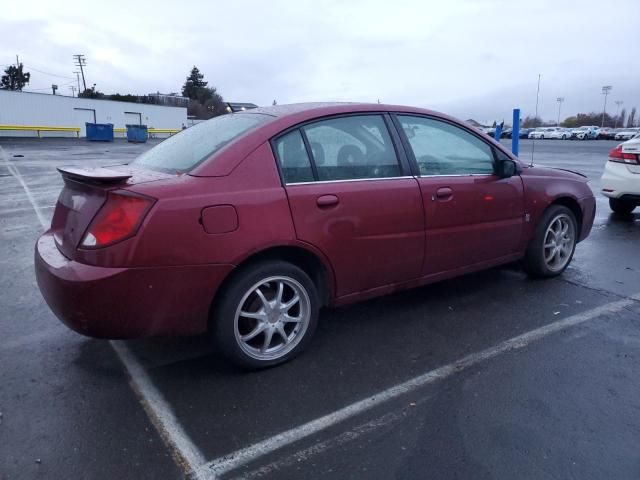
{"points": [[184, 151]]}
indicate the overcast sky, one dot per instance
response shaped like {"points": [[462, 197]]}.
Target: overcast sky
{"points": [[472, 59]]}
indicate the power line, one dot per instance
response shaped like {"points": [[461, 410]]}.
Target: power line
{"points": [[48, 73]]}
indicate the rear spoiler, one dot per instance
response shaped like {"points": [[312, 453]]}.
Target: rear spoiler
{"points": [[98, 175]]}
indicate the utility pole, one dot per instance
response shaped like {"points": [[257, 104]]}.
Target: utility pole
{"points": [[73, 90], [78, 79], [618, 103], [81, 62], [559, 100], [605, 91]]}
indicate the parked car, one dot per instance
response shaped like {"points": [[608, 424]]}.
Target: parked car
{"points": [[542, 133], [248, 223], [524, 132], [506, 133], [627, 133], [609, 133], [604, 133], [621, 177], [584, 133], [560, 133]]}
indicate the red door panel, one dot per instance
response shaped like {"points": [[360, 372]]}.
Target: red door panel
{"points": [[372, 231], [500, 216], [470, 219], [448, 222]]}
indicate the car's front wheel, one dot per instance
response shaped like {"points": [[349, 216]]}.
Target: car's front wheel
{"points": [[266, 315], [619, 205], [551, 249]]}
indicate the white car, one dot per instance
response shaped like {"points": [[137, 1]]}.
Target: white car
{"points": [[560, 133], [621, 177], [585, 133], [542, 133], [627, 133]]}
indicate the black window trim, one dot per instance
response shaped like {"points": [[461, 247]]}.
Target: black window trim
{"points": [[411, 156], [399, 149]]}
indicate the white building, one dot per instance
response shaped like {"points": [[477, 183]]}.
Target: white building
{"points": [[37, 109]]}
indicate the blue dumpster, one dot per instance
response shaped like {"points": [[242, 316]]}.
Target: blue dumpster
{"points": [[99, 132], [137, 133]]}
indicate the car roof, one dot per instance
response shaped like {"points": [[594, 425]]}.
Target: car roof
{"points": [[318, 109], [287, 116]]}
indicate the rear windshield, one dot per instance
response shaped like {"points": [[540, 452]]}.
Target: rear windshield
{"points": [[184, 151]]}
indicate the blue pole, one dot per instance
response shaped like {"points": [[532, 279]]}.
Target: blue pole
{"points": [[515, 132], [498, 133]]}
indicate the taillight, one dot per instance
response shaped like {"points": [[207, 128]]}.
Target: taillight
{"points": [[117, 220], [617, 155]]}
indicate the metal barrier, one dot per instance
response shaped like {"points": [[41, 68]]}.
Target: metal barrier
{"points": [[170, 131], [76, 130], [40, 128]]}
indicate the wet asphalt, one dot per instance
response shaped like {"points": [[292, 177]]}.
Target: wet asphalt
{"points": [[564, 406]]}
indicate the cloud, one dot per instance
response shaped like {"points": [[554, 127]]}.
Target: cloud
{"points": [[473, 58]]}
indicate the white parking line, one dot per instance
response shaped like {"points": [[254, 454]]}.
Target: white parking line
{"points": [[243, 456], [16, 174], [158, 410], [161, 415]]}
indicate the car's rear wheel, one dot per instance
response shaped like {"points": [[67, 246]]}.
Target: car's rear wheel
{"points": [[619, 205], [266, 315], [551, 248]]}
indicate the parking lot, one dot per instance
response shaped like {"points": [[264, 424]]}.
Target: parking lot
{"points": [[492, 375]]}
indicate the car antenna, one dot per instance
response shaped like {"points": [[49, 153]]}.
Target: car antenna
{"points": [[535, 119]]}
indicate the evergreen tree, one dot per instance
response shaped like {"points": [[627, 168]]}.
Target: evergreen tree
{"points": [[14, 78]]}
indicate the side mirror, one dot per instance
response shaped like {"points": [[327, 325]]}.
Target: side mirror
{"points": [[507, 168]]}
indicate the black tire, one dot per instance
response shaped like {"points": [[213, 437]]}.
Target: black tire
{"points": [[534, 261], [235, 296], [621, 206]]}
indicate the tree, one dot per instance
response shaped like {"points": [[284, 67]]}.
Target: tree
{"points": [[14, 78], [205, 102], [632, 117], [195, 85], [91, 93], [531, 122], [620, 118]]}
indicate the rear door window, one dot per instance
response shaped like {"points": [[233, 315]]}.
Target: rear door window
{"points": [[294, 162], [353, 147]]}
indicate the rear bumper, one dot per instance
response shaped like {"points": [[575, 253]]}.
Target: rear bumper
{"points": [[126, 302], [617, 181]]}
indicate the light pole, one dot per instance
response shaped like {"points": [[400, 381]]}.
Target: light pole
{"points": [[618, 103], [559, 100], [605, 90]]}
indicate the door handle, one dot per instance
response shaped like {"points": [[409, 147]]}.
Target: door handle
{"points": [[443, 193], [327, 200]]}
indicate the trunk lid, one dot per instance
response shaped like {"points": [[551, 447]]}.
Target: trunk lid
{"points": [[85, 191]]}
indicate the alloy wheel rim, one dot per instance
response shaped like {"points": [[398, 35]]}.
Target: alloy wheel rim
{"points": [[559, 240], [272, 318]]}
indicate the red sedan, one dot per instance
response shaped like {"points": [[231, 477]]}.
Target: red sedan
{"points": [[245, 225]]}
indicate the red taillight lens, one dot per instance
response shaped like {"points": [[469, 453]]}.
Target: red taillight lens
{"points": [[616, 152], [617, 155], [117, 220]]}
